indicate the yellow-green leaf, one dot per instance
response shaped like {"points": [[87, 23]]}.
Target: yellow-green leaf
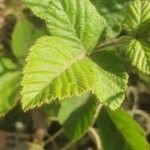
{"points": [[77, 21], [138, 53], [137, 20]]}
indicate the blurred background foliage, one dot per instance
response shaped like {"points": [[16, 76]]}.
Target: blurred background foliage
{"points": [[39, 128]]}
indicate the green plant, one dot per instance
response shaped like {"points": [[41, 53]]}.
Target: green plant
{"points": [[78, 63]]}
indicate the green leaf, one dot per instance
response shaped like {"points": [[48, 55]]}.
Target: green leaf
{"points": [[111, 79], [71, 74], [123, 132], [6, 65], [77, 21], [9, 85], [138, 53], [65, 72], [144, 77], [51, 110], [137, 19], [77, 115], [55, 70], [67, 112], [24, 35]]}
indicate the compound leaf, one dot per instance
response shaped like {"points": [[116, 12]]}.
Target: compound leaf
{"points": [[65, 72], [72, 73]]}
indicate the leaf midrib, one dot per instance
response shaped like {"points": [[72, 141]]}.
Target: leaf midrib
{"points": [[59, 74], [145, 54], [77, 58], [72, 26], [63, 9]]}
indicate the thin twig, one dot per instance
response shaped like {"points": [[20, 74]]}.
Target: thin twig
{"points": [[53, 137], [68, 146], [93, 133], [15, 134]]}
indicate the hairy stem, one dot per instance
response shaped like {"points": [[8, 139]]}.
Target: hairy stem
{"points": [[114, 41]]}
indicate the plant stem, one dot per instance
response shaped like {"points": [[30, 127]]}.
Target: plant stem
{"points": [[98, 109], [114, 41], [96, 138], [52, 138]]}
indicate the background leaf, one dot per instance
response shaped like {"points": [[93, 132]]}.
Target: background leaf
{"points": [[9, 85], [137, 19], [51, 110], [138, 53], [123, 132], [113, 12], [77, 115], [24, 35]]}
